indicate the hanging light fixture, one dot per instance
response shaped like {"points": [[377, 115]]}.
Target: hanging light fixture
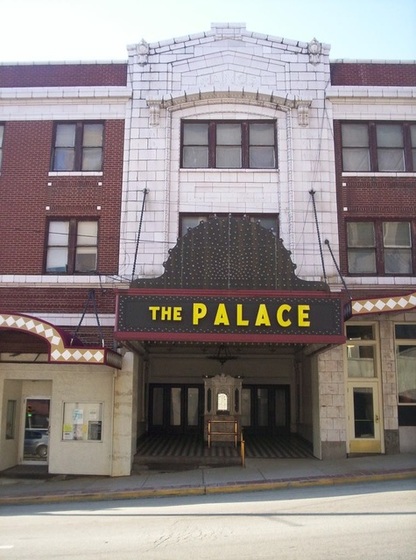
{"points": [[223, 355]]}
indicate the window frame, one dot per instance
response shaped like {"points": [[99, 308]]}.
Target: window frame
{"points": [[72, 246], [406, 410], [374, 149], [245, 143], [78, 148], [380, 248]]}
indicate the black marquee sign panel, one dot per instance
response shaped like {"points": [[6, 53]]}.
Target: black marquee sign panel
{"points": [[233, 317]]}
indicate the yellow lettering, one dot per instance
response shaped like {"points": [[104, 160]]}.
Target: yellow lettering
{"points": [[177, 313], [199, 310], [153, 310], [262, 316], [303, 316], [240, 321], [285, 308], [166, 313], [221, 317]]}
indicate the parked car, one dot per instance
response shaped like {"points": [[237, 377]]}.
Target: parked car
{"points": [[36, 443]]}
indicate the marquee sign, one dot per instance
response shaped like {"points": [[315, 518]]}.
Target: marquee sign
{"points": [[192, 315]]}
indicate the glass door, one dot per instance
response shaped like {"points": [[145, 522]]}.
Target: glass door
{"points": [[364, 418], [175, 408], [36, 439]]}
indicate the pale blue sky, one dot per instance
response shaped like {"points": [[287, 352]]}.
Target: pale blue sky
{"points": [[70, 30]]}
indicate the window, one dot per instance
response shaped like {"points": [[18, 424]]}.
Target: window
{"points": [[229, 145], [11, 419], [383, 248], [82, 422], [72, 247], [268, 221], [405, 335], [376, 146], [361, 350], [78, 147], [1, 142]]}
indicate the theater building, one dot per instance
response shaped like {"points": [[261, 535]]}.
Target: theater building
{"points": [[210, 243]]}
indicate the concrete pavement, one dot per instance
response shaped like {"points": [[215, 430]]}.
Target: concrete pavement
{"points": [[258, 474]]}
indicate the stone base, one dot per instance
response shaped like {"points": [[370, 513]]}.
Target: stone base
{"points": [[391, 442], [333, 449]]}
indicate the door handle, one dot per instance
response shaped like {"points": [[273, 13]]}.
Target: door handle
{"points": [[376, 418]]}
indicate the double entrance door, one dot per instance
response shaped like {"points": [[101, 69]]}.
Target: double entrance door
{"points": [[179, 408]]}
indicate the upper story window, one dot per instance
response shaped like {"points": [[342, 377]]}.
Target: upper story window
{"points": [[78, 147], [383, 248], [1, 142], [72, 247], [378, 147], [229, 144], [188, 221]]}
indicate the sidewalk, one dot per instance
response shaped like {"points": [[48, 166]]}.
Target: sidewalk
{"points": [[258, 474]]}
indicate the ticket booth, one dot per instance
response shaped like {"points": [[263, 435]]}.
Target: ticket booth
{"points": [[222, 414]]}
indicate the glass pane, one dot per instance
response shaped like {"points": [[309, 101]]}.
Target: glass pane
{"points": [[360, 361], [175, 406], [361, 261], [389, 136], [405, 331], [87, 233], [246, 407], [363, 412], [280, 408], [262, 158], [195, 157], [406, 372], [360, 234], [360, 332], [396, 234], [228, 157], [11, 419], [157, 406], [93, 135], [36, 430], [189, 222], [195, 134], [57, 259], [398, 261], [193, 401], [229, 134], [262, 407], [92, 159], [64, 159], [58, 233], [390, 160], [1, 135], [413, 135], [355, 159], [86, 259], [354, 135], [65, 135], [261, 134]]}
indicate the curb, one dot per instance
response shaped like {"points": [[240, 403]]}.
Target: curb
{"points": [[163, 492]]}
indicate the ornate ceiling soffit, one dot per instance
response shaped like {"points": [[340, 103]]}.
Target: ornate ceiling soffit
{"points": [[227, 253], [383, 305], [59, 342]]}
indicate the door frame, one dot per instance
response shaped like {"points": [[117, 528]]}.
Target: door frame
{"points": [[373, 444], [33, 461]]}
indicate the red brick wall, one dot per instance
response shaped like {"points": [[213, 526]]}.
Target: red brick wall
{"points": [[63, 75], [370, 198], [371, 74], [25, 194]]}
